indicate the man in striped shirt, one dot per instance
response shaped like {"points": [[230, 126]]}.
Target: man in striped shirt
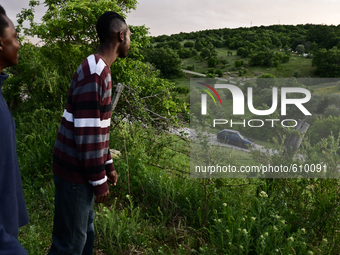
{"points": [[81, 159]]}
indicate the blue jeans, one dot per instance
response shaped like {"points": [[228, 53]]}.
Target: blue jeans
{"points": [[73, 231]]}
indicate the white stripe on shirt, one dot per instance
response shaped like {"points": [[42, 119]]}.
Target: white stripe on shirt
{"points": [[95, 67], [92, 122], [68, 116], [99, 182], [109, 162]]}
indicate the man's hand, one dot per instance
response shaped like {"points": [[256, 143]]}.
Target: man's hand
{"points": [[112, 177], [102, 198]]}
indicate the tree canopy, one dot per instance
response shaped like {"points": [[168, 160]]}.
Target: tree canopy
{"points": [[67, 32]]}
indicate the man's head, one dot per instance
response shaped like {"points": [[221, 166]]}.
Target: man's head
{"points": [[9, 45], [112, 29]]}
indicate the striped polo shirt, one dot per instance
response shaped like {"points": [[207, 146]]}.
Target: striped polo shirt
{"points": [[81, 150]]}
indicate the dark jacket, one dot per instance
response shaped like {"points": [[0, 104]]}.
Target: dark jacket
{"points": [[13, 212]]}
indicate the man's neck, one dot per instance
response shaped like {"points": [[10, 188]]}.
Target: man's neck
{"points": [[109, 54]]}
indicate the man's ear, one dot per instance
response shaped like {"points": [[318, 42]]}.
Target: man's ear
{"points": [[121, 36]]}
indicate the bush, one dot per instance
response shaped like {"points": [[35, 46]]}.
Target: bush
{"points": [[219, 72], [184, 53], [212, 62], [189, 44], [238, 63], [182, 90]]}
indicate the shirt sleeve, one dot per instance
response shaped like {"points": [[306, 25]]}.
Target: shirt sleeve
{"points": [[92, 116], [9, 244]]}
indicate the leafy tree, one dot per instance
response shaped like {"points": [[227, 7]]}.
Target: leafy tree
{"points": [[327, 62], [68, 34], [198, 46], [300, 49], [208, 52], [212, 62], [184, 53], [266, 80], [322, 128], [166, 60], [194, 52], [175, 45], [238, 63], [219, 72], [332, 110], [188, 44]]}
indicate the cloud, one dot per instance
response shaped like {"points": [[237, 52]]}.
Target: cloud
{"points": [[175, 16], [167, 17]]}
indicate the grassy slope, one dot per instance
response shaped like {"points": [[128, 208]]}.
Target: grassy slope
{"points": [[285, 70]]}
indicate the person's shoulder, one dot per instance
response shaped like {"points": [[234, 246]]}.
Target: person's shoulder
{"points": [[93, 65], [97, 65]]}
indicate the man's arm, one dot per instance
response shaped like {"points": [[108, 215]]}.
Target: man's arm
{"points": [[9, 245]]}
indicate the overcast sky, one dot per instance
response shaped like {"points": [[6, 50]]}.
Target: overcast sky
{"points": [[175, 16]]}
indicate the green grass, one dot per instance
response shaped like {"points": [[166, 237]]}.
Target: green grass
{"points": [[284, 70], [169, 213]]}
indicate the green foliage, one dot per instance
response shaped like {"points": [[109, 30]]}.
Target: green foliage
{"points": [[212, 62], [36, 137], [189, 44], [198, 46], [184, 53], [175, 45], [300, 49], [219, 72], [323, 127], [238, 63], [327, 62], [166, 208], [166, 60], [208, 52], [264, 58], [43, 77], [71, 21]]}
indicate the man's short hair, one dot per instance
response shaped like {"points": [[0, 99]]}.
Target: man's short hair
{"points": [[108, 23], [3, 21]]}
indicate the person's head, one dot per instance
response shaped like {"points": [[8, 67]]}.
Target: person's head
{"points": [[9, 45], [112, 29]]}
